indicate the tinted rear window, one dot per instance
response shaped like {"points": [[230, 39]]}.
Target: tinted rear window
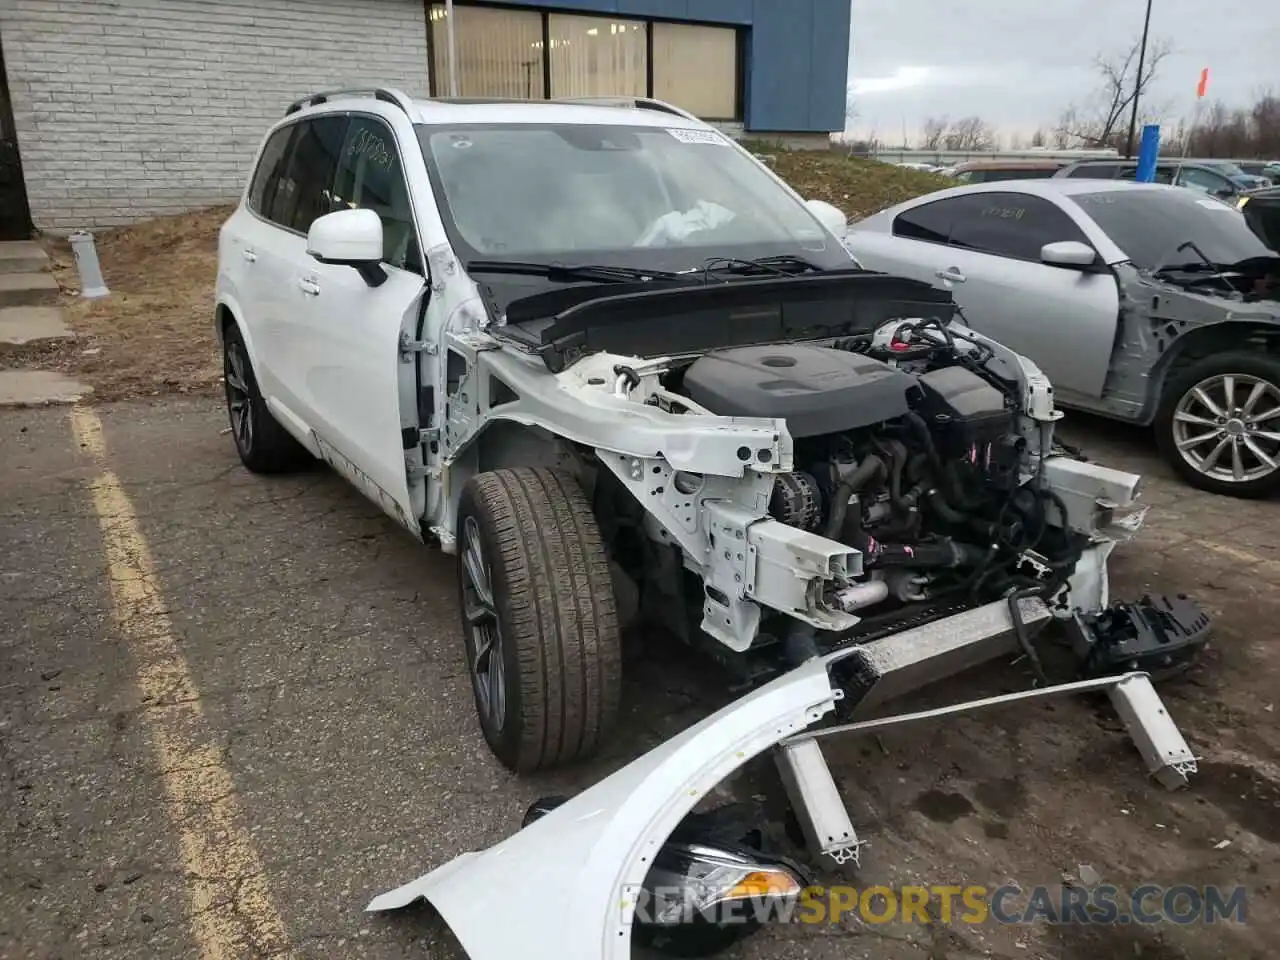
{"points": [[1096, 171]]}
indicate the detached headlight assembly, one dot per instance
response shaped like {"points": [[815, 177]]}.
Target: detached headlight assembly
{"points": [[703, 892], [699, 899], [691, 881]]}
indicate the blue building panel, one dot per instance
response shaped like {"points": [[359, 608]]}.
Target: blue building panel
{"points": [[796, 52], [829, 60]]}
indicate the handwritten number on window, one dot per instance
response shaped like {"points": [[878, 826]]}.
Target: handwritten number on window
{"points": [[373, 148]]}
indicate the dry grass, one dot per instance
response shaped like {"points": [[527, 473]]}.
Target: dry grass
{"points": [[857, 186], [154, 334]]}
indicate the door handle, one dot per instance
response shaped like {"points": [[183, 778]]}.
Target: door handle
{"points": [[309, 286], [249, 255], [950, 273]]}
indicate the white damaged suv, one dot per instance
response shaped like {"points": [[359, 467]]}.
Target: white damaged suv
{"points": [[615, 364]]}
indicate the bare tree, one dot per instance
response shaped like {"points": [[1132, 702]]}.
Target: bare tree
{"points": [[969, 134], [1264, 117], [850, 115], [1103, 122], [1038, 138], [935, 131], [1060, 139]]}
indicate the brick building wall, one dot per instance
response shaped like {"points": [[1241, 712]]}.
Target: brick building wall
{"points": [[128, 109]]}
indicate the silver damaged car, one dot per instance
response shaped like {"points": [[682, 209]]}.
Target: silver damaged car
{"points": [[1147, 303]]}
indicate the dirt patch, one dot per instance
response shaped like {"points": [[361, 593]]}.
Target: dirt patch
{"points": [[1245, 794], [942, 806], [153, 335]]}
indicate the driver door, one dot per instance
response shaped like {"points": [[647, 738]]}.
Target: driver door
{"points": [[353, 369]]}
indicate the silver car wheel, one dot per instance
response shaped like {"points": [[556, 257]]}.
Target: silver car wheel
{"points": [[488, 674], [1227, 427]]}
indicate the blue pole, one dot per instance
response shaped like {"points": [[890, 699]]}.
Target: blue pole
{"points": [[1148, 152]]}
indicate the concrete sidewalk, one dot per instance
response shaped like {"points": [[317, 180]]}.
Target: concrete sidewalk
{"points": [[30, 317]]}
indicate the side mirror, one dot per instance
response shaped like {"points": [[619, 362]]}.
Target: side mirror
{"points": [[349, 238], [1068, 253], [832, 218]]}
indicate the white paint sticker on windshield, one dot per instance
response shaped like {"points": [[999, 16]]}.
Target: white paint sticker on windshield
{"points": [[685, 135]]}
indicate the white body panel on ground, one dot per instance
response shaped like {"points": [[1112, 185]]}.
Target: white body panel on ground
{"points": [[566, 875]]}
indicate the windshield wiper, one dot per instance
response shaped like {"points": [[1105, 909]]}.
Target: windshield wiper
{"points": [[785, 264], [1206, 266], [571, 273]]}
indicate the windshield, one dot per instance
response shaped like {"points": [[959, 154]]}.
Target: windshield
{"points": [[1149, 226], [636, 196]]}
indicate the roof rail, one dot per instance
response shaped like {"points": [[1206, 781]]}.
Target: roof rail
{"points": [[385, 94], [637, 103]]}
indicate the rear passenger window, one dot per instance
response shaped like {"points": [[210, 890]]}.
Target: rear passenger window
{"points": [[370, 176], [266, 178], [1161, 175], [1010, 224], [930, 222], [305, 190], [1096, 171]]}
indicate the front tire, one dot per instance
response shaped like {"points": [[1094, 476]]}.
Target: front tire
{"points": [[539, 617], [263, 445], [1218, 424]]}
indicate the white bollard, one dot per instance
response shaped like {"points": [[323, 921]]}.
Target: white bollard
{"points": [[92, 285]]}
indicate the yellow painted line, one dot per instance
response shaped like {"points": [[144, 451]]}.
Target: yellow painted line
{"points": [[231, 911]]}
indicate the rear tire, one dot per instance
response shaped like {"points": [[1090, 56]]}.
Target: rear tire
{"points": [[263, 445], [1232, 400], [539, 617]]}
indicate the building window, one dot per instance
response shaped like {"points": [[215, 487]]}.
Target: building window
{"points": [[597, 57], [499, 52], [535, 54], [696, 68]]}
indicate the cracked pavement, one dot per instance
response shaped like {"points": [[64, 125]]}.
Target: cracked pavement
{"points": [[326, 677]]}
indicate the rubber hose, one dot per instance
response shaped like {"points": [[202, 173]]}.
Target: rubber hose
{"points": [[943, 509], [926, 439], [895, 476], [1020, 631], [867, 470]]}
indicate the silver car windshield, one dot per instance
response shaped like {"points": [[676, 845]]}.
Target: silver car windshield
{"points": [[1150, 225], [543, 191]]}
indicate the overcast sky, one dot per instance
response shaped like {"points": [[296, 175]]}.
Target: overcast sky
{"points": [[1018, 63]]}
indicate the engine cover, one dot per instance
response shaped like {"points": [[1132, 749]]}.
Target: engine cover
{"points": [[817, 390]]}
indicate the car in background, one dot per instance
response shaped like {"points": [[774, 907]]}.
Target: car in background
{"points": [[1180, 173], [986, 171], [1262, 169], [1141, 302], [916, 165], [1261, 209], [1235, 173]]}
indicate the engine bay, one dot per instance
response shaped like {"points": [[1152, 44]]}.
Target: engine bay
{"points": [[909, 449]]}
